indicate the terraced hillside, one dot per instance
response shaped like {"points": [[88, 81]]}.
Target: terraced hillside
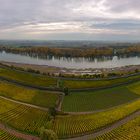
{"points": [[22, 117], [6, 136], [135, 87], [75, 125], [88, 84], [28, 78], [45, 81], [111, 104], [128, 131], [97, 100], [32, 96]]}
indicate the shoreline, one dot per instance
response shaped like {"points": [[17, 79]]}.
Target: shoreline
{"points": [[61, 70]]}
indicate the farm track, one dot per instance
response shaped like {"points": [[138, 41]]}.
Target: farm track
{"points": [[98, 79], [26, 104], [59, 91], [60, 104], [2, 78], [75, 79], [61, 98], [84, 137], [107, 128], [21, 84]]}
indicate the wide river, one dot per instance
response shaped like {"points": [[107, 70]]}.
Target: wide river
{"points": [[77, 63]]}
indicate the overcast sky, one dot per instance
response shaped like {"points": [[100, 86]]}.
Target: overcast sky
{"points": [[70, 19]]}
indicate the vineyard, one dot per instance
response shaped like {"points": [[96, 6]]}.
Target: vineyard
{"points": [[81, 84], [28, 78], [6, 136], [75, 125], [45, 81], [97, 100], [21, 117], [128, 131], [135, 87], [111, 104], [36, 97], [70, 70]]}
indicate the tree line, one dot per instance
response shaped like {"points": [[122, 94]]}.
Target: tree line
{"points": [[60, 52], [74, 52]]}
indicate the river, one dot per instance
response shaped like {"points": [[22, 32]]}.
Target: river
{"points": [[76, 63]]}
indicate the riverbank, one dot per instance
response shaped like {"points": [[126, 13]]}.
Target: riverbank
{"points": [[57, 71]]}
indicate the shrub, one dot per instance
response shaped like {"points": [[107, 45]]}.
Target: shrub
{"points": [[47, 134], [66, 91], [52, 111]]}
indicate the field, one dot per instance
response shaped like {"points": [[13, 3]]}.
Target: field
{"points": [[97, 100], [21, 117], [36, 97], [81, 84], [28, 78], [110, 105], [135, 87], [45, 81], [6, 136], [75, 125], [128, 131]]}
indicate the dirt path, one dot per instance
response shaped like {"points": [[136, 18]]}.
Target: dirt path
{"points": [[72, 90], [59, 106], [26, 104], [60, 103], [108, 128], [17, 134], [85, 137], [7, 64]]}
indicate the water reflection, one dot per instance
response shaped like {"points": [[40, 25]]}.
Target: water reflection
{"points": [[69, 62]]}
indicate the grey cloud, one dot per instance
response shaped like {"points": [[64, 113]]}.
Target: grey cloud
{"points": [[120, 25], [16, 13], [123, 5], [13, 12]]}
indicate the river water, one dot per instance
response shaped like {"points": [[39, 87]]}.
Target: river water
{"points": [[76, 63]]}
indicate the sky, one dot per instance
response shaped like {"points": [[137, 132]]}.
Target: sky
{"points": [[107, 20]]}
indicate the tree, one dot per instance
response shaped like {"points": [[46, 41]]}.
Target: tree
{"points": [[46, 134], [52, 111], [49, 124], [66, 91], [60, 84], [136, 70]]}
